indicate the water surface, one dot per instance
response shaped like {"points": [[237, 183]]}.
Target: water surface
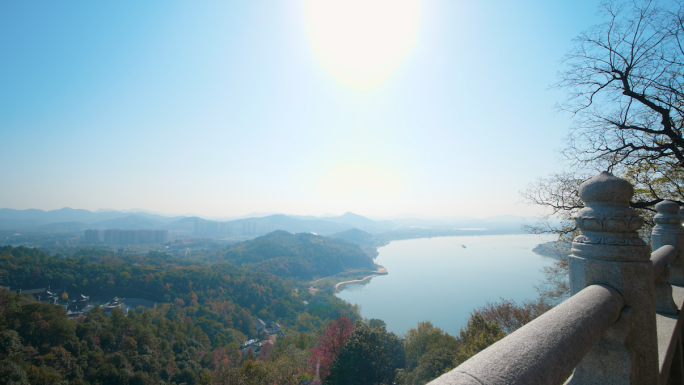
{"points": [[437, 280]]}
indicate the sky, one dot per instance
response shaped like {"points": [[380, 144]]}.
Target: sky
{"points": [[439, 108]]}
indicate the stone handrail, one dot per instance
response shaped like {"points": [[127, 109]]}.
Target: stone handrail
{"points": [[546, 350], [661, 258], [622, 325]]}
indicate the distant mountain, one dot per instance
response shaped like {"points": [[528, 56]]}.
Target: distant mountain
{"points": [[310, 223], [304, 217], [103, 211], [499, 221], [293, 225], [256, 215], [68, 219], [157, 218], [401, 216], [33, 218], [184, 224], [6, 223], [62, 215], [143, 211], [131, 222], [64, 227], [361, 222], [352, 219]]}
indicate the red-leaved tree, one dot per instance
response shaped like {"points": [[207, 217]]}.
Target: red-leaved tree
{"points": [[329, 345]]}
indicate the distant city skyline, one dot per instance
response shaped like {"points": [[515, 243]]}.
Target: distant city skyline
{"points": [[439, 108]]}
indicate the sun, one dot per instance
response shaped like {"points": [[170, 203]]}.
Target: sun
{"points": [[362, 41]]}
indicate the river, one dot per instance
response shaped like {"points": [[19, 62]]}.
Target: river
{"points": [[438, 280]]}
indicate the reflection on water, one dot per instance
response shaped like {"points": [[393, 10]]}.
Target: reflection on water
{"points": [[438, 280], [358, 287]]}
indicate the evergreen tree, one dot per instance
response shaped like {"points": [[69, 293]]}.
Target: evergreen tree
{"points": [[370, 356]]}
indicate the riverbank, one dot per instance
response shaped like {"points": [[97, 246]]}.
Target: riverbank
{"points": [[552, 250], [381, 271]]}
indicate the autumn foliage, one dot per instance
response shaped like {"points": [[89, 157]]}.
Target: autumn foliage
{"points": [[329, 345]]}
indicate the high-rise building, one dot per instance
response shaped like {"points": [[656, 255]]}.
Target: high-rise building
{"points": [[249, 228], [92, 236], [160, 236], [130, 237], [203, 226], [111, 236], [145, 236]]}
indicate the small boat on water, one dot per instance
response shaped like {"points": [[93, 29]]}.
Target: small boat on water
{"points": [[463, 246]]}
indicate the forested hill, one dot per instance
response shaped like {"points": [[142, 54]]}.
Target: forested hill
{"points": [[301, 255], [159, 277], [204, 315], [357, 236]]}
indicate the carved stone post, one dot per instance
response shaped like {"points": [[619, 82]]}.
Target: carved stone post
{"points": [[609, 251], [669, 231]]}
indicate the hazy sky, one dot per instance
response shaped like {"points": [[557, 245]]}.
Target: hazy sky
{"points": [[224, 108]]}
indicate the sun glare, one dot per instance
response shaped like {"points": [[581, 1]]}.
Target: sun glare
{"points": [[362, 41]]}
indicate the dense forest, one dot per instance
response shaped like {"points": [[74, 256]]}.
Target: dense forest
{"points": [[196, 331], [301, 255], [162, 278]]}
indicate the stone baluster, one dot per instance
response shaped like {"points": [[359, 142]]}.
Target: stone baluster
{"points": [[669, 231], [609, 251], [677, 268]]}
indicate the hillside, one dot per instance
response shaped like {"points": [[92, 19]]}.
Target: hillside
{"points": [[300, 255], [357, 236], [202, 317]]}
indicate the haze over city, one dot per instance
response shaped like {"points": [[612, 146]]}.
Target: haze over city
{"points": [[224, 109]]}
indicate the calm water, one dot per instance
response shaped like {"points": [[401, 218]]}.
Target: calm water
{"points": [[438, 280]]}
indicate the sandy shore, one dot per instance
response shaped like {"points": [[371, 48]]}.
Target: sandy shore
{"points": [[380, 271]]}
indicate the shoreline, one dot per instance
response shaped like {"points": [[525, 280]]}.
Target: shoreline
{"points": [[379, 272], [548, 250]]}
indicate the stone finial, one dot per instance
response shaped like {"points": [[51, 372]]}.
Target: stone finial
{"points": [[607, 221], [607, 188], [668, 214], [608, 251], [667, 206]]}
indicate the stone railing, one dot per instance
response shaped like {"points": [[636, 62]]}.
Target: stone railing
{"points": [[622, 324]]}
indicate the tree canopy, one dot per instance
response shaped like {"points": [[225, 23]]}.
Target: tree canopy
{"points": [[301, 255], [371, 356]]}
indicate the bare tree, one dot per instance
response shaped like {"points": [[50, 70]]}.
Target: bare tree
{"points": [[624, 79], [624, 82], [558, 194]]}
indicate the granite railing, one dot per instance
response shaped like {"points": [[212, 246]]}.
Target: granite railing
{"points": [[622, 324]]}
